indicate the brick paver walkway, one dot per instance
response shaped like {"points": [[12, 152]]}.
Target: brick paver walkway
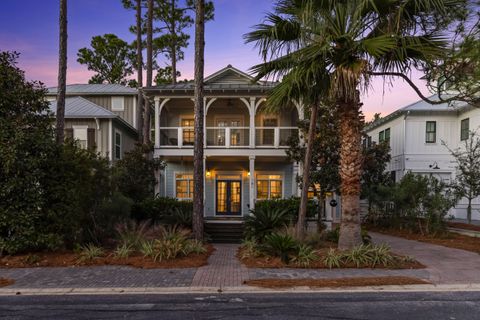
{"points": [[223, 269]]}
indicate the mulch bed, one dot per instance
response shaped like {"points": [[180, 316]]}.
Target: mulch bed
{"points": [[71, 259], [334, 283], [6, 282], [275, 262], [450, 239], [465, 226]]}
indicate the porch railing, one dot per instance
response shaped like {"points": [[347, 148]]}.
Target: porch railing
{"points": [[228, 137]]}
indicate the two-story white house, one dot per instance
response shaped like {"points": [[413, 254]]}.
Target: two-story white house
{"points": [[245, 157], [416, 133]]}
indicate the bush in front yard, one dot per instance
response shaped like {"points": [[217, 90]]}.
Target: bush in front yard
{"points": [[291, 205], [264, 220], [157, 209]]}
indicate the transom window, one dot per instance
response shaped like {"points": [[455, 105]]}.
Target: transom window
{"points": [[184, 186], [464, 129], [269, 186], [188, 134], [431, 132]]}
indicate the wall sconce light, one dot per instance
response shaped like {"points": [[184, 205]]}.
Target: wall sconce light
{"points": [[208, 174], [248, 173], [434, 166]]}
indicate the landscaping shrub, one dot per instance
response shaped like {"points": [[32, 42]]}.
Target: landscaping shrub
{"points": [[133, 233], [90, 251], [417, 203], [123, 251], [290, 205], [179, 216], [265, 220], [157, 209], [361, 256], [305, 255], [280, 245]]}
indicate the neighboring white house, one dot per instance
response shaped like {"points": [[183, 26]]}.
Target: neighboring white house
{"points": [[416, 133], [245, 157]]}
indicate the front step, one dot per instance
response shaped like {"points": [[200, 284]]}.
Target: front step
{"points": [[224, 232]]}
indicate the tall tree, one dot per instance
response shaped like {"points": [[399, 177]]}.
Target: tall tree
{"points": [[174, 19], [198, 122], [467, 182], [62, 73], [139, 70], [110, 57], [348, 42], [146, 119]]}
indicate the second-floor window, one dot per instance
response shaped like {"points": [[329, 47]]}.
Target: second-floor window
{"points": [[464, 129], [188, 134], [118, 145], [184, 186], [269, 186], [431, 132], [384, 135], [118, 104], [387, 135]]}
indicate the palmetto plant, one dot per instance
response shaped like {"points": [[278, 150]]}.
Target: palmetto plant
{"points": [[327, 51]]}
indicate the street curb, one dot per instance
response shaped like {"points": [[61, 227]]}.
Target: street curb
{"points": [[236, 290]]}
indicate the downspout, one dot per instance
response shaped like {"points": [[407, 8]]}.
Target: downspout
{"points": [[97, 122]]}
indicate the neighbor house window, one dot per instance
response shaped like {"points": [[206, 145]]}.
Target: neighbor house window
{"points": [[188, 132], [118, 145], [431, 132], [381, 136], [80, 135], [387, 135], [184, 186], [313, 191], [118, 103], [269, 186], [464, 129]]}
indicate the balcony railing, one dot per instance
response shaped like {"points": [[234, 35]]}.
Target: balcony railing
{"points": [[228, 137]]}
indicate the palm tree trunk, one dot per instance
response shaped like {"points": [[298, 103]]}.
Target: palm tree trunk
{"points": [[302, 213], [198, 175], [146, 120], [139, 72], [62, 73], [351, 124], [469, 211]]}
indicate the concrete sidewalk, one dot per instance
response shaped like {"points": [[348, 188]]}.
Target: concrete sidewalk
{"points": [[445, 266]]}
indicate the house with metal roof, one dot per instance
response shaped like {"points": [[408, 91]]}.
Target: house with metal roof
{"points": [[101, 117], [416, 134], [245, 159]]}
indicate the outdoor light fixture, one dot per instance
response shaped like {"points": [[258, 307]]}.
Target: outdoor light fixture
{"points": [[208, 173], [434, 166], [248, 174]]}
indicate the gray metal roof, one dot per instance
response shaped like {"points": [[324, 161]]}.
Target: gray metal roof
{"points": [[96, 89], [189, 86], [78, 107], [421, 106]]}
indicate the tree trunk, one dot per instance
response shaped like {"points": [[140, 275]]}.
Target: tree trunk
{"points": [[62, 73], [351, 124], [139, 72], [302, 213], [146, 120], [321, 211], [174, 45], [198, 175], [469, 211]]}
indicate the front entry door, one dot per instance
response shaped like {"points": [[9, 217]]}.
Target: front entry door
{"points": [[229, 197]]}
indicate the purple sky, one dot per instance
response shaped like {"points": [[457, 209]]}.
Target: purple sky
{"points": [[31, 28]]}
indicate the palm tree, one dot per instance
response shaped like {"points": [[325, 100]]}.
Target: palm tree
{"points": [[146, 119], [198, 111], [348, 42], [139, 70], [62, 73]]}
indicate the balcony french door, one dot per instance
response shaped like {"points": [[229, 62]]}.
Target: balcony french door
{"points": [[229, 197]]}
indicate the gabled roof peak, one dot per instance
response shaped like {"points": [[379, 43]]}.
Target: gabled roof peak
{"points": [[229, 75]]}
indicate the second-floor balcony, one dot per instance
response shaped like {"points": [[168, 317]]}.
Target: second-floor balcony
{"points": [[228, 137]]}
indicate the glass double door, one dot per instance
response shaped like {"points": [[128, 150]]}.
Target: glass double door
{"points": [[229, 197]]}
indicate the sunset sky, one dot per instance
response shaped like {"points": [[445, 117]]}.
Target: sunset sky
{"points": [[30, 27]]}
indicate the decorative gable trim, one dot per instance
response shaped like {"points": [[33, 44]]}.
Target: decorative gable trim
{"points": [[227, 72]]}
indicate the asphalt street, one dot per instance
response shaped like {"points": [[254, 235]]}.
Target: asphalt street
{"points": [[351, 306]]}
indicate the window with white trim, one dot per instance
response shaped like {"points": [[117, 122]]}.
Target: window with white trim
{"points": [[118, 145], [269, 186], [118, 103], [184, 186], [80, 135]]}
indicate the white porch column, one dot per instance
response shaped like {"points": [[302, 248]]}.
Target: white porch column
{"points": [[252, 122], [251, 181], [295, 188], [300, 173], [157, 122], [204, 181]]}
